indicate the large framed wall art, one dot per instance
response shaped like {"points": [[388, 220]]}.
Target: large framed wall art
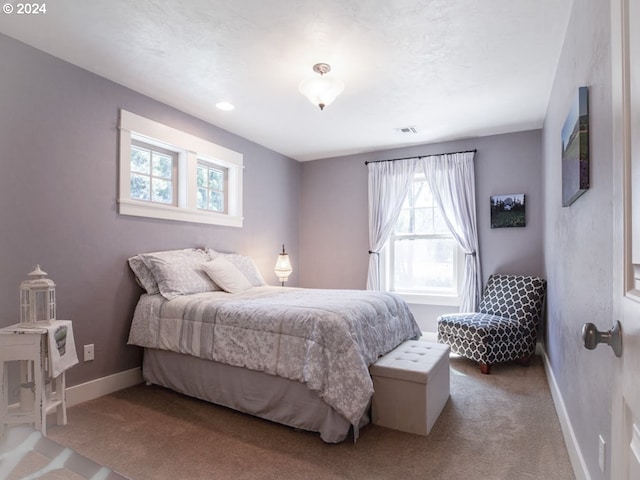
{"points": [[575, 148]]}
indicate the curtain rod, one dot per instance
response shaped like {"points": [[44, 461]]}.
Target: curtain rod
{"points": [[419, 156]]}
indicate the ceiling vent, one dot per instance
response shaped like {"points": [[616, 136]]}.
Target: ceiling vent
{"points": [[407, 130]]}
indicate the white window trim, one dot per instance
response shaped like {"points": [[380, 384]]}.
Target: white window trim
{"points": [[190, 148], [421, 298]]}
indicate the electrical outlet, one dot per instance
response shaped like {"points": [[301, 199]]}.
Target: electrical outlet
{"points": [[602, 449], [88, 352]]}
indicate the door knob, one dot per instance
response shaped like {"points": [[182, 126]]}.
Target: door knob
{"points": [[591, 337]]}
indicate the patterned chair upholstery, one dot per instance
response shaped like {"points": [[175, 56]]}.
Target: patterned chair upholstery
{"points": [[506, 326]]}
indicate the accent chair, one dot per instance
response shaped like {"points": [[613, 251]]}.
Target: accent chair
{"points": [[505, 328]]}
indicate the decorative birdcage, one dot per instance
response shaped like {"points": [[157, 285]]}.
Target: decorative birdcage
{"points": [[37, 299]]}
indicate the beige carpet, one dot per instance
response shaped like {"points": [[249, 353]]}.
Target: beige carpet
{"points": [[498, 426]]}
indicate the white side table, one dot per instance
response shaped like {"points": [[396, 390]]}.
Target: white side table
{"points": [[29, 346]]}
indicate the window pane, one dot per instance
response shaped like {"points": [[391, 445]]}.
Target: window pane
{"points": [[140, 187], [423, 197], [140, 160], [162, 165], [403, 224], [162, 191], [202, 178], [417, 215], [439, 225], [215, 179], [216, 201], [424, 265], [423, 222], [202, 198]]}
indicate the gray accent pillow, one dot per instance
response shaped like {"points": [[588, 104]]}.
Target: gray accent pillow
{"points": [[144, 277], [179, 272]]}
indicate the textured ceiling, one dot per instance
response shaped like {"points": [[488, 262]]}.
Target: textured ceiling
{"points": [[450, 68]]}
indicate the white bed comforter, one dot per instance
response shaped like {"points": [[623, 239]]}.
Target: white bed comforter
{"points": [[324, 338]]}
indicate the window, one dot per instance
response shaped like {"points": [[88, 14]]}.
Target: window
{"points": [[211, 187], [153, 171], [166, 173], [422, 260]]}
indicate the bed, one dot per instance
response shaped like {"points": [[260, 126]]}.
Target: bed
{"points": [[211, 328]]}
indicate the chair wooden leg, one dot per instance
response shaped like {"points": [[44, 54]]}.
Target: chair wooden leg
{"points": [[524, 361], [485, 368]]}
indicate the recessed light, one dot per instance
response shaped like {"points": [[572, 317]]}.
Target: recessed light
{"points": [[226, 106]]}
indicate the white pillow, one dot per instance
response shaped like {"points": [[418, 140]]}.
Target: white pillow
{"points": [[243, 263], [226, 275]]}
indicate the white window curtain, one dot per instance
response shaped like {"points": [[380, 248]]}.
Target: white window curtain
{"points": [[388, 186], [452, 181], [451, 178]]}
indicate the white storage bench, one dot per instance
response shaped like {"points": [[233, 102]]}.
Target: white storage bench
{"points": [[411, 386]]}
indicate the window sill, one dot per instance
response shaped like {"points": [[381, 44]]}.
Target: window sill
{"points": [[419, 299], [139, 209]]}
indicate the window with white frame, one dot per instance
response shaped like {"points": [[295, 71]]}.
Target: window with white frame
{"points": [[422, 260], [166, 173], [212, 189], [153, 173]]}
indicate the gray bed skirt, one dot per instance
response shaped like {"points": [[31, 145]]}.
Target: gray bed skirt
{"points": [[266, 396]]}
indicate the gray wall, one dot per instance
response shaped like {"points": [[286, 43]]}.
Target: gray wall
{"points": [[59, 187], [578, 240], [334, 223]]}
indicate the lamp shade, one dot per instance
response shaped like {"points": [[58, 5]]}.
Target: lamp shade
{"points": [[283, 266], [322, 89]]}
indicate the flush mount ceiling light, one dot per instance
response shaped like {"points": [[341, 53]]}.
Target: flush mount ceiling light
{"points": [[322, 90]]}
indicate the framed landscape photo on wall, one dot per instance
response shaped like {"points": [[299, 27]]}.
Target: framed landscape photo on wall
{"points": [[508, 211], [575, 148]]}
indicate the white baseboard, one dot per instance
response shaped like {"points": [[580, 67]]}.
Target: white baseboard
{"points": [[103, 386], [575, 455]]}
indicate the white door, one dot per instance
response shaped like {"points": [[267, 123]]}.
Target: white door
{"points": [[625, 435]]}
